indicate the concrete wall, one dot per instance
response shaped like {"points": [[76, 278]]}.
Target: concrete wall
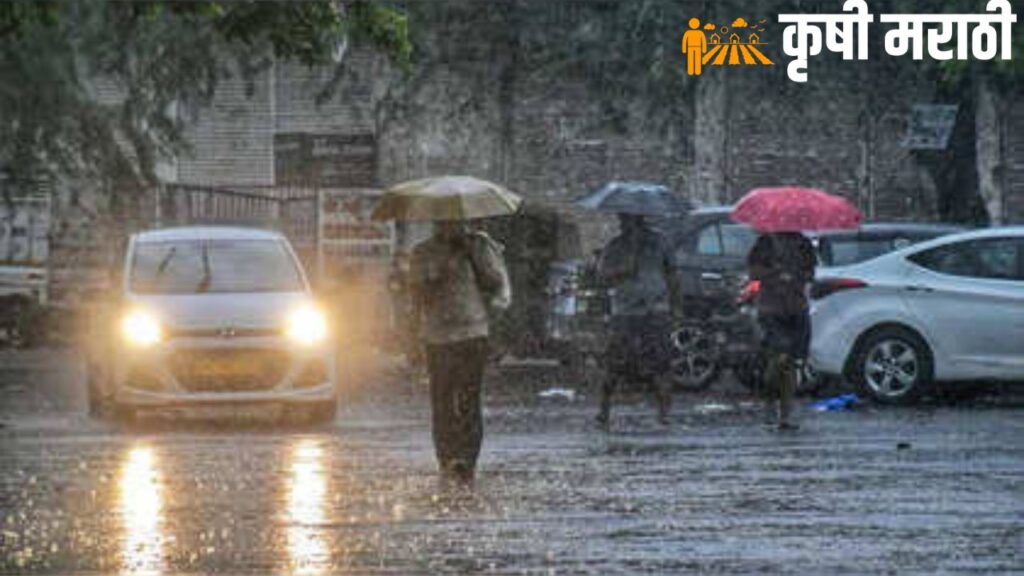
{"points": [[1012, 163], [542, 96]]}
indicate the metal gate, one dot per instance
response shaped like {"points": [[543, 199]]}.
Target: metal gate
{"points": [[291, 211]]}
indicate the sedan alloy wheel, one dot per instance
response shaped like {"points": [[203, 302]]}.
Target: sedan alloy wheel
{"points": [[891, 369]]}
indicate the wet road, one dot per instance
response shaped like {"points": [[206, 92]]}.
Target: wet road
{"points": [[717, 492]]}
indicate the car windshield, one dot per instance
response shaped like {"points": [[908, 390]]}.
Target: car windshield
{"points": [[192, 267]]}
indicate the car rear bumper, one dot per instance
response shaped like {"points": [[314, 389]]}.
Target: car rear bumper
{"points": [[831, 341], [826, 361], [208, 371]]}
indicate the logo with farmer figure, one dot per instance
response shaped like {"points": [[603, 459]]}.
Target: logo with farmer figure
{"points": [[738, 43]]}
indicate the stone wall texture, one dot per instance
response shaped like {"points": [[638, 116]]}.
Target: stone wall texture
{"points": [[556, 98]]}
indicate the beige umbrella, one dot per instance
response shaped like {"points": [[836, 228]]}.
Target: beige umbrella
{"points": [[446, 198]]}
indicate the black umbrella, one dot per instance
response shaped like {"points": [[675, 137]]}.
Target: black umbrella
{"points": [[639, 198]]}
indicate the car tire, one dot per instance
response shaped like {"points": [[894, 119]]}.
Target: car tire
{"points": [[892, 365], [694, 364]]}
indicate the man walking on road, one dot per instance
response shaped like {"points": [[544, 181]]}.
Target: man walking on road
{"points": [[784, 265], [457, 277], [638, 269]]}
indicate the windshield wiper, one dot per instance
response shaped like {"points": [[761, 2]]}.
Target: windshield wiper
{"points": [[204, 283], [166, 261]]}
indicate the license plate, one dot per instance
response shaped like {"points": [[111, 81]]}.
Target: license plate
{"points": [[242, 411], [224, 367]]}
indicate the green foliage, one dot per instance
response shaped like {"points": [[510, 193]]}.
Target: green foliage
{"points": [[159, 59], [386, 28], [16, 16], [1004, 74]]}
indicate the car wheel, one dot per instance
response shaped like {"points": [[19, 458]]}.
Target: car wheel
{"points": [[892, 366], [694, 365]]}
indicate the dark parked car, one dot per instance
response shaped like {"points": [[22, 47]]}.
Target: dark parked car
{"points": [[711, 252], [711, 255], [711, 249]]}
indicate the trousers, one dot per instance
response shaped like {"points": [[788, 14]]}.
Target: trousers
{"points": [[456, 372], [780, 381]]}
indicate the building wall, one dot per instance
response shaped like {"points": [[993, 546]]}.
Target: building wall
{"points": [[527, 93], [232, 139], [833, 133], [1013, 163]]}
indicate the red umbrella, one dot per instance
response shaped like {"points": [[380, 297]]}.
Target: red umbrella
{"points": [[795, 210]]}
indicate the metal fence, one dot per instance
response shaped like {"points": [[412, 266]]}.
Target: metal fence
{"points": [[292, 211]]}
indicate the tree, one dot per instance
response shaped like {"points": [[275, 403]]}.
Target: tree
{"points": [[970, 174], [165, 58]]}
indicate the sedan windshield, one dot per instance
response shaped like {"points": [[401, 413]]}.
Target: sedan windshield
{"points": [[192, 267]]}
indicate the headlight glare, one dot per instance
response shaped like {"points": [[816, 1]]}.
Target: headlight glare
{"points": [[307, 326], [141, 329]]}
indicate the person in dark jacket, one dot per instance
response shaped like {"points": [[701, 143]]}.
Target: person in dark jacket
{"points": [[638, 268], [784, 265]]}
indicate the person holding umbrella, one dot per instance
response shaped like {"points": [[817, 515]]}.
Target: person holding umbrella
{"points": [[638, 269], [457, 278], [783, 262]]}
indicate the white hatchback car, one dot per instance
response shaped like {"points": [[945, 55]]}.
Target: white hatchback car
{"points": [[213, 316], [951, 309]]}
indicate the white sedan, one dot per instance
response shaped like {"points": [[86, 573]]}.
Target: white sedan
{"points": [[212, 316], [947, 310]]}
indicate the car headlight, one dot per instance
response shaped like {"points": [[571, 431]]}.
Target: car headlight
{"points": [[141, 329], [306, 326]]}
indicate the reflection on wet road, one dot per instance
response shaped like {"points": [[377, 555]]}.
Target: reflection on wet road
{"points": [[141, 508], [935, 489], [304, 511]]}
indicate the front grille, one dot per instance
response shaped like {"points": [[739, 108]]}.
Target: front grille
{"points": [[228, 370], [224, 332]]}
